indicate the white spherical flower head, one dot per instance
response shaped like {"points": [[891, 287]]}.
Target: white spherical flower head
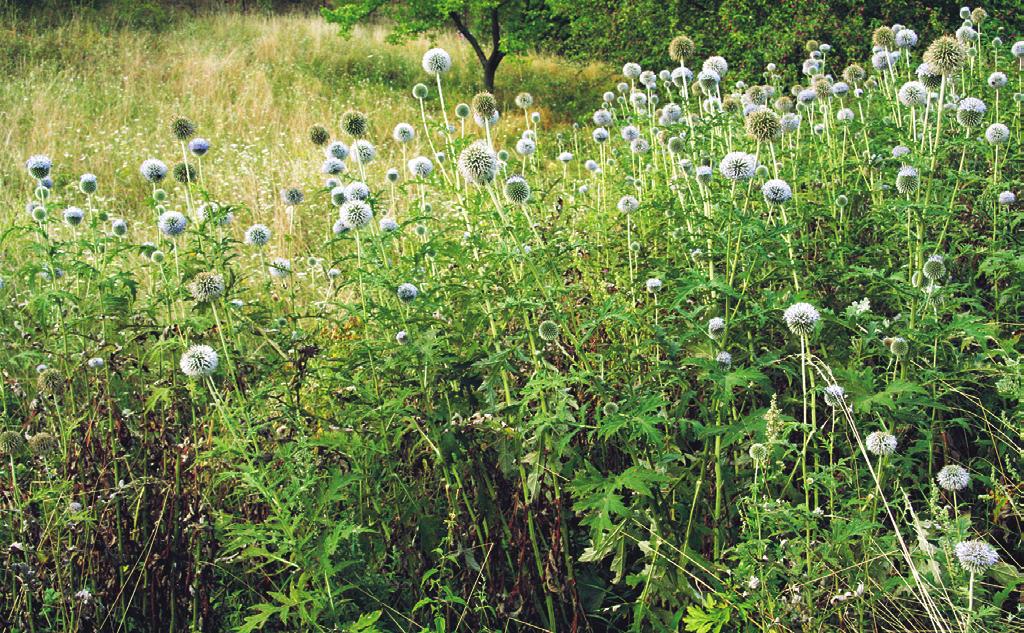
{"points": [[478, 164], [913, 94], [257, 235], [337, 150], [403, 133], [835, 395], [976, 556], [280, 267], [525, 147], [407, 292], [332, 167], [628, 204], [776, 191], [653, 284], [845, 115], [953, 478], [997, 134], [630, 132], [881, 443], [970, 112], [801, 318], [172, 223], [39, 166], [602, 117], [631, 70], [199, 361], [724, 360], [900, 150], [364, 151], [600, 135], [790, 122], [565, 157], [717, 64], [716, 327], [517, 190], [638, 99], [738, 166], [997, 80], [1007, 198], [357, 190], [95, 363], [906, 38], [73, 216], [356, 213], [420, 167], [708, 79], [437, 61], [682, 75], [907, 180], [639, 146], [87, 184], [153, 170], [1017, 50], [388, 225]]}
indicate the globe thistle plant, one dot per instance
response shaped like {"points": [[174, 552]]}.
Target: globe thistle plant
{"points": [[517, 190], [87, 184], [172, 223], [38, 166], [801, 318], [319, 135], [907, 180], [407, 292], [356, 213], [153, 170], [681, 48], [776, 191], [206, 287], [355, 124], [478, 163], [953, 478], [970, 112], [548, 331], [945, 56], [764, 126], [975, 556], [881, 443], [738, 166], [437, 61], [257, 235]]}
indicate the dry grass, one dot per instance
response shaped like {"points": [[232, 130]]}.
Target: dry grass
{"points": [[101, 101]]}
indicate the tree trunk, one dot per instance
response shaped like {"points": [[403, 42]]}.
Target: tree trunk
{"points": [[490, 69]]}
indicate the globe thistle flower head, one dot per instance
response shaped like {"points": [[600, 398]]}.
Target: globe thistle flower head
{"points": [[357, 190], [185, 173], [759, 454], [355, 124], [997, 80], [845, 115], [403, 133], [653, 284], [628, 204], [708, 80], [183, 129], [835, 395], [337, 150], [420, 91], [38, 166], [50, 382], [884, 38], [881, 443], [462, 110], [1007, 198], [257, 235], [87, 184], [907, 180], [953, 478], [11, 443], [975, 556], [945, 56], [478, 164], [319, 135], [199, 361], [966, 34], [73, 216], [207, 286], [153, 170], [934, 268], [763, 126], [648, 79], [724, 359], [738, 166], [485, 105], [703, 174], [854, 73], [364, 151], [776, 191], [280, 267], [970, 112], [906, 38], [898, 346], [437, 61], [42, 444], [199, 146], [524, 100], [639, 146], [913, 94], [292, 196], [517, 190], [716, 328], [790, 122], [420, 167], [388, 225], [340, 226], [840, 88], [356, 213], [1017, 49], [631, 70], [997, 134], [801, 318], [638, 99], [407, 292], [681, 48], [119, 227], [548, 330], [332, 167], [681, 75], [172, 223], [717, 64]]}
